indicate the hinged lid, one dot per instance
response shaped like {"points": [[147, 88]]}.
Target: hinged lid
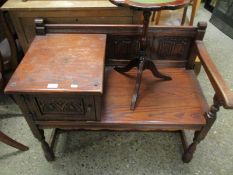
{"points": [[61, 63]]}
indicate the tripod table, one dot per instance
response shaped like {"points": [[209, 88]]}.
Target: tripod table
{"points": [[142, 62]]}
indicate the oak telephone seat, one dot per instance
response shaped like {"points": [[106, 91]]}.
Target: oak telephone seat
{"points": [[175, 105]]}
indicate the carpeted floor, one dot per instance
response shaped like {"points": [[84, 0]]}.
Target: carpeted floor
{"points": [[127, 152]]}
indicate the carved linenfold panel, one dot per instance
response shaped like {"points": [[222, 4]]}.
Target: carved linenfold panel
{"points": [[175, 48], [159, 48], [61, 105], [122, 47]]}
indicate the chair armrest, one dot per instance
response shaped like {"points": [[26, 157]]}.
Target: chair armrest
{"points": [[223, 92]]}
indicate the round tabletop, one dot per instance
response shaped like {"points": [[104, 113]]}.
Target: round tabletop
{"points": [[152, 4]]}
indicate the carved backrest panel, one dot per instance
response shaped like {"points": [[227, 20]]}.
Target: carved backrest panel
{"points": [[169, 48], [121, 47], [162, 48], [167, 45]]}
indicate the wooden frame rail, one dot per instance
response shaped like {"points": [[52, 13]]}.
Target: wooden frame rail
{"points": [[167, 46]]}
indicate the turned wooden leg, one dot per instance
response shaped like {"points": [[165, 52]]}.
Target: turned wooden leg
{"points": [[153, 16], [158, 18], [188, 154], [184, 15], [133, 63], [48, 152], [200, 135], [38, 133], [9, 141], [137, 85], [195, 7], [52, 138]]}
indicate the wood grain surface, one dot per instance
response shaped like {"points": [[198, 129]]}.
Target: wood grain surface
{"points": [[54, 4], [166, 102], [75, 62]]}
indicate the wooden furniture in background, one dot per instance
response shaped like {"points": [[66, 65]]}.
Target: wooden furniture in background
{"points": [[195, 6], [8, 46], [9, 62], [23, 13], [3, 137], [10, 51], [9, 141], [143, 62], [172, 105]]}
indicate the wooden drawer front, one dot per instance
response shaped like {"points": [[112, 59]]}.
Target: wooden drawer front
{"points": [[63, 108]]}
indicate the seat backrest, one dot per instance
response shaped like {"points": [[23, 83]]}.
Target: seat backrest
{"points": [[168, 46]]}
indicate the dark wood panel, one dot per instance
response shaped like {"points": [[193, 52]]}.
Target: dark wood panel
{"points": [[62, 107], [165, 44]]}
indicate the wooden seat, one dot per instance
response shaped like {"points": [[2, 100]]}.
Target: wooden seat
{"points": [[163, 104]]}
